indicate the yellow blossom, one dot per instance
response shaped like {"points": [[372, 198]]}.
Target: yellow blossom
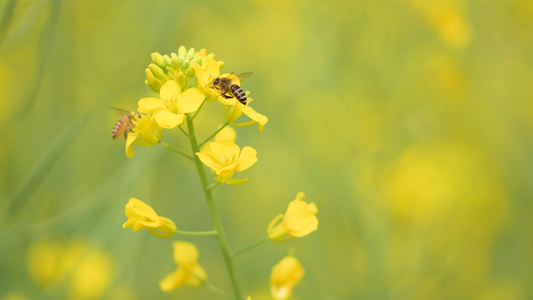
{"points": [[145, 133], [224, 157], [169, 110], [206, 74], [284, 276], [189, 272], [299, 220], [140, 216], [83, 269]]}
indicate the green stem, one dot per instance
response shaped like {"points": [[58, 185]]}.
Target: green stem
{"points": [[197, 233], [217, 291], [183, 131], [214, 185], [215, 133], [198, 110], [214, 212], [251, 246], [175, 150]]}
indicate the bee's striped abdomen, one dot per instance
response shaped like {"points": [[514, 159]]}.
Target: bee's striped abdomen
{"points": [[238, 93], [123, 125]]}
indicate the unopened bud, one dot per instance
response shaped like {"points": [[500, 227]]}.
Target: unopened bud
{"points": [[157, 71], [157, 58]]}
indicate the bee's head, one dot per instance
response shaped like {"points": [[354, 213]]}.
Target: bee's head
{"points": [[216, 81]]}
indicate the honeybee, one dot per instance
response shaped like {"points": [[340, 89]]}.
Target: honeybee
{"points": [[228, 89], [124, 124]]}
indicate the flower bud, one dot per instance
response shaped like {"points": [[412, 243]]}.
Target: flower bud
{"points": [[157, 58], [182, 81], [182, 51], [190, 54], [175, 62], [167, 60], [154, 83], [157, 71]]}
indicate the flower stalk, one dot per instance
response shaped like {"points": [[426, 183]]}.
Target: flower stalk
{"points": [[215, 216]]}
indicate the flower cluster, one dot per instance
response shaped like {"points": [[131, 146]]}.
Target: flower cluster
{"points": [[184, 83]]}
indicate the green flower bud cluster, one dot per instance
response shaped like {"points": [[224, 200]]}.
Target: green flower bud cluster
{"points": [[177, 67]]}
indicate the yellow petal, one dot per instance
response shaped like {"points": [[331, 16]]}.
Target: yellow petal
{"points": [[284, 276], [226, 134], [205, 76], [129, 141], [190, 100], [196, 276], [210, 160], [173, 280], [151, 105], [226, 101], [169, 89], [235, 112], [236, 181], [185, 253], [247, 158], [168, 120], [136, 207], [225, 149], [252, 114], [300, 219]]}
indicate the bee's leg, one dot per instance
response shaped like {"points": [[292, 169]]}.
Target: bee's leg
{"points": [[227, 96]]}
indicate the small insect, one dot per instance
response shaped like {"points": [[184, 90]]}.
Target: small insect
{"points": [[229, 89], [124, 124]]}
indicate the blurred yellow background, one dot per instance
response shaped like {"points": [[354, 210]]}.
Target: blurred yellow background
{"points": [[408, 123]]}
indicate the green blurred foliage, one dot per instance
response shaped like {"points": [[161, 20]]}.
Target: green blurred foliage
{"points": [[407, 122]]}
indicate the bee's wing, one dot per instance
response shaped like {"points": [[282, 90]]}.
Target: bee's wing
{"points": [[121, 111], [244, 76]]}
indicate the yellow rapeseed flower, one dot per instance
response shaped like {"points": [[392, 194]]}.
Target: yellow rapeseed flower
{"points": [[299, 220], [169, 110], [145, 133], [83, 269], [284, 277], [140, 215], [224, 157], [189, 272], [206, 74]]}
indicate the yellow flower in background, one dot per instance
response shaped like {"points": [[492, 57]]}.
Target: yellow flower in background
{"points": [[170, 110], [141, 216], [83, 270], [92, 275], [299, 220], [14, 296], [284, 277], [224, 157], [189, 272], [448, 19], [145, 133]]}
